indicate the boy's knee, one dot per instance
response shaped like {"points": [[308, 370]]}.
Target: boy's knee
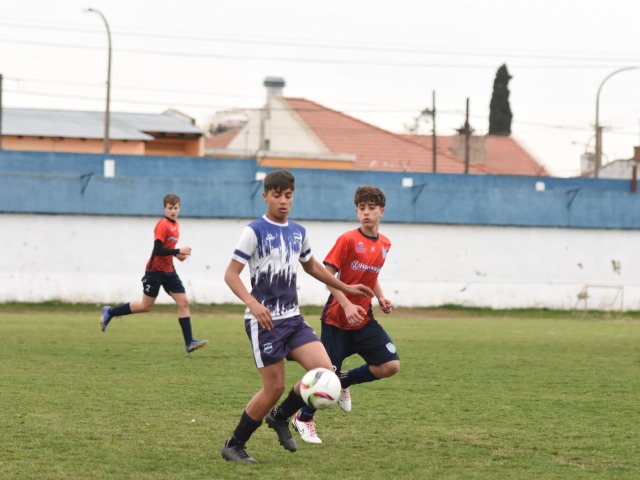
{"points": [[183, 305], [391, 368], [275, 393]]}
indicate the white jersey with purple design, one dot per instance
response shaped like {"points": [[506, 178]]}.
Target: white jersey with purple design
{"points": [[272, 251]]}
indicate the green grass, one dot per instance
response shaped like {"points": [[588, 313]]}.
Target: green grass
{"points": [[519, 395]]}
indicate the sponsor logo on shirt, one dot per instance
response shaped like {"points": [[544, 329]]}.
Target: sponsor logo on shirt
{"points": [[361, 248], [363, 267]]}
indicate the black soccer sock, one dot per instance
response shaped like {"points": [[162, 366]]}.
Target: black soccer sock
{"points": [[244, 430], [185, 324], [361, 374], [289, 405], [120, 310]]}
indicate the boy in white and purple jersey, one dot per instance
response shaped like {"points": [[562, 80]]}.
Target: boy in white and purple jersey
{"points": [[273, 263], [272, 246]]}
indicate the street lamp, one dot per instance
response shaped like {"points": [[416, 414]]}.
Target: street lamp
{"points": [[107, 110], [598, 132]]}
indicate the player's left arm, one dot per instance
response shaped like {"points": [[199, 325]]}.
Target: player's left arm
{"points": [[161, 251], [317, 271], [385, 304]]}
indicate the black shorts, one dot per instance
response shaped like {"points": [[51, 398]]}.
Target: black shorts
{"points": [[170, 281], [371, 342]]}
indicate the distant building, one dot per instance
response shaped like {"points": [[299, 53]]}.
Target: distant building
{"points": [[168, 133], [230, 119], [621, 169], [299, 133]]}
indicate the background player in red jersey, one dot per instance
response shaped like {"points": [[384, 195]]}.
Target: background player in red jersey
{"points": [[348, 324], [160, 272]]}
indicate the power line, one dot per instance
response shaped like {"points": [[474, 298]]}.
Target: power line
{"points": [[321, 61], [341, 47], [253, 58], [201, 106], [360, 107], [125, 87], [161, 103]]}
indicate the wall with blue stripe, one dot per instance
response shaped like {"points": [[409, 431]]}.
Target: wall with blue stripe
{"points": [[64, 183]]}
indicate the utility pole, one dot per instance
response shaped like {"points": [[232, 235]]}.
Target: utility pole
{"points": [[433, 130], [467, 135], [431, 112]]}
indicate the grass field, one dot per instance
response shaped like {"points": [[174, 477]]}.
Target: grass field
{"points": [[480, 395]]}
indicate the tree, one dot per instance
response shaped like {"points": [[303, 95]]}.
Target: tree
{"points": [[499, 109]]}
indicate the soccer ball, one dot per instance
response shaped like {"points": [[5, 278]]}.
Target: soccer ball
{"points": [[320, 388]]}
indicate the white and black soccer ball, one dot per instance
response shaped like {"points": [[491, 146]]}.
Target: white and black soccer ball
{"points": [[320, 388]]}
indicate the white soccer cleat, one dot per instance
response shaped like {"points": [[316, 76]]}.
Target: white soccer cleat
{"points": [[345, 400], [307, 430]]}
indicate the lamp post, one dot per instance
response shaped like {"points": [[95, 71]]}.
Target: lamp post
{"points": [[107, 109], [598, 132]]}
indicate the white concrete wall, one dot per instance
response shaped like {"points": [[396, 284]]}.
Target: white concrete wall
{"points": [[102, 259]]}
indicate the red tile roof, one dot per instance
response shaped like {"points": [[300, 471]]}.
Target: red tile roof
{"points": [[503, 155], [374, 148], [379, 150]]}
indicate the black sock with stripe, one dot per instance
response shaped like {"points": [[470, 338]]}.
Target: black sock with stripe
{"points": [[185, 324]]}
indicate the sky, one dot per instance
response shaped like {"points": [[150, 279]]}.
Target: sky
{"points": [[380, 62]]}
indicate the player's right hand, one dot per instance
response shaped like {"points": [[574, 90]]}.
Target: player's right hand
{"points": [[262, 314], [355, 314]]}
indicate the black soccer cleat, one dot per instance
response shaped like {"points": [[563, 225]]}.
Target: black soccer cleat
{"points": [[236, 453], [282, 429]]}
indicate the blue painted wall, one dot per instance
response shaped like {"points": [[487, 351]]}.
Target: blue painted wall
{"points": [[63, 183]]}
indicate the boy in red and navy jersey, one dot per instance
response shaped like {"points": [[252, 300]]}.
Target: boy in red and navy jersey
{"points": [[161, 273], [348, 324], [167, 232]]}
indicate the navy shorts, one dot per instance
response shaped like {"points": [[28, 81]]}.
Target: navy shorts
{"points": [[170, 281], [371, 342], [271, 346]]}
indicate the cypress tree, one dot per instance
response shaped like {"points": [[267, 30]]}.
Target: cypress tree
{"points": [[499, 109]]}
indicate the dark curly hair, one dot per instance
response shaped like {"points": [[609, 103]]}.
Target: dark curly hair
{"points": [[369, 194]]}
